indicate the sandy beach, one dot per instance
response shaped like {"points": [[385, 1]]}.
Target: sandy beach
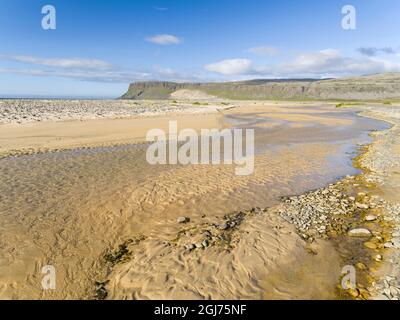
{"points": [[79, 194], [200, 158]]}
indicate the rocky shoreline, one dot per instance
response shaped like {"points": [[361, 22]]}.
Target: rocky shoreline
{"points": [[20, 111], [358, 211], [352, 219], [381, 166]]}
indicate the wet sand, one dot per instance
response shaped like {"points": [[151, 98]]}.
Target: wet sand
{"points": [[71, 208], [54, 136]]}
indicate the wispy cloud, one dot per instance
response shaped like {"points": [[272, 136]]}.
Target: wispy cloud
{"points": [[117, 76], [164, 39], [323, 63], [160, 8], [73, 63], [264, 51], [91, 70], [373, 51]]}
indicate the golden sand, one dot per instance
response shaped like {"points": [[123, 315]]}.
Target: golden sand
{"points": [[70, 217]]}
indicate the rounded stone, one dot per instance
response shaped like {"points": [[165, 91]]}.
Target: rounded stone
{"points": [[183, 220], [370, 245], [190, 246], [224, 226], [353, 293], [378, 258], [362, 205], [361, 266], [359, 232]]}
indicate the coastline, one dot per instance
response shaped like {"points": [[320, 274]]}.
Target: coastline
{"points": [[54, 132], [381, 164], [251, 226]]}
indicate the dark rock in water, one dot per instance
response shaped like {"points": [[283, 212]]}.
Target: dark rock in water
{"points": [[224, 226], [183, 219], [190, 246]]}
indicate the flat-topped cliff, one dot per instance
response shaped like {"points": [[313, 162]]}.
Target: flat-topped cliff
{"points": [[372, 87]]}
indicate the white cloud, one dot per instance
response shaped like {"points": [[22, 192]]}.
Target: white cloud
{"points": [[231, 66], [164, 39], [324, 63], [73, 63], [264, 51], [333, 63]]}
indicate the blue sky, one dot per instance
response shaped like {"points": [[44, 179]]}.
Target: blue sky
{"points": [[100, 46]]}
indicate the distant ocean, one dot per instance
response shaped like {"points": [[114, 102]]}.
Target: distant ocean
{"points": [[57, 97]]}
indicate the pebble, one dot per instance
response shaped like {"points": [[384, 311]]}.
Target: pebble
{"points": [[207, 234], [362, 205], [361, 266], [388, 245], [370, 245], [370, 217], [359, 232], [190, 246], [183, 220], [224, 226], [353, 292]]}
